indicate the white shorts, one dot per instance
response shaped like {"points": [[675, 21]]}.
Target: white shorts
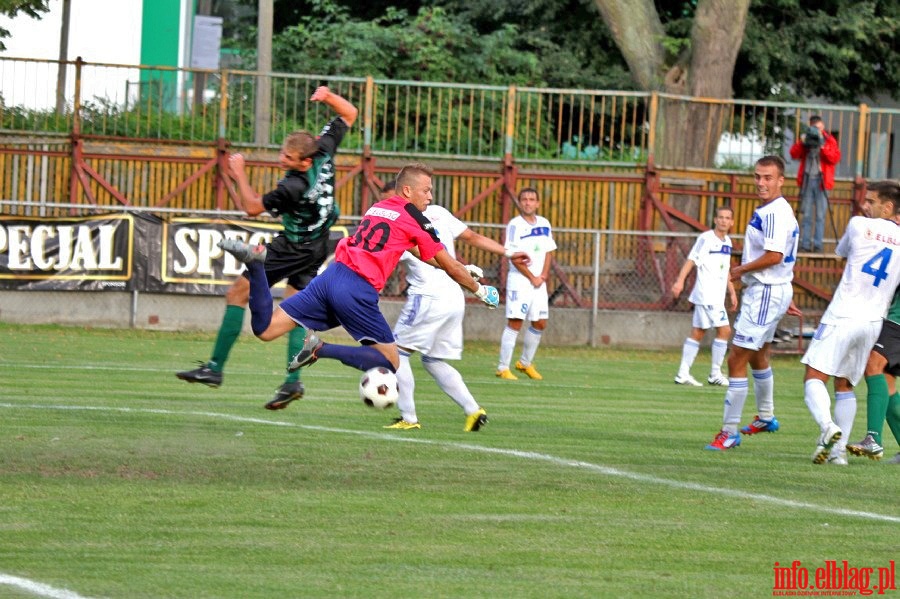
{"points": [[841, 349], [762, 308], [432, 326], [710, 317], [527, 302]]}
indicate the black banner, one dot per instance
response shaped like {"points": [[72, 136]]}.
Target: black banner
{"points": [[126, 252]]}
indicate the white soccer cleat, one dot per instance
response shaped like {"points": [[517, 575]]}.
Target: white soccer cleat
{"points": [[718, 379], [837, 459], [831, 435], [687, 380]]}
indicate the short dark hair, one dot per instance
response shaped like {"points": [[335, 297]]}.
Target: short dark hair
{"points": [[815, 119], [529, 190], [772, 160], [887, 190], [724, 207]]}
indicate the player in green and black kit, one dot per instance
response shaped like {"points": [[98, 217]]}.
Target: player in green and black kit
{"points": [[304, 200], [882, 399]]}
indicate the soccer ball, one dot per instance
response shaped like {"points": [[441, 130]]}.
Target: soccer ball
{"points": [[378, 388]]}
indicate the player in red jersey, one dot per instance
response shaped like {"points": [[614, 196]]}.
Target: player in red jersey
{"points": [[346, 294]]}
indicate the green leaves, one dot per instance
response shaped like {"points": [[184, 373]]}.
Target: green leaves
{"points": [[10, 8]]}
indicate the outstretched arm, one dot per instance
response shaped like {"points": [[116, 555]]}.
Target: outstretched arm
{"points": [[342, 107], [489, 245], [250, 200], [458, 273], [456, 270]]}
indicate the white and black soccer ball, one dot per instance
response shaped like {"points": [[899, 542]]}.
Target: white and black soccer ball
{"points": [[378, 388]]}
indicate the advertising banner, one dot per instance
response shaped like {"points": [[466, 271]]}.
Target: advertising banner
{"points": [[127, 252]]}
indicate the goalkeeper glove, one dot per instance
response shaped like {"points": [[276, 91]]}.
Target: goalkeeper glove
{"points": [[474, 271], [489, 295]]}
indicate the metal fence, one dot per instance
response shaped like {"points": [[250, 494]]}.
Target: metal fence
{"points": [[562, 127]]}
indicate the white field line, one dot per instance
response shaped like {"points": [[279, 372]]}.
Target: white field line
{"points": [[526, 455], [37, 588]]}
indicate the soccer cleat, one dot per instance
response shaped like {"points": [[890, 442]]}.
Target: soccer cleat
{"points": [[307, 355], [687, 380], [475, 421], [243, 251], [506, 374], [839, 459], [827, 439], [530, 370], [403, 425], [761, 426], [204, 374], [718, 379], [724, 440], [287, 393], [867, 447], [895, 459]]}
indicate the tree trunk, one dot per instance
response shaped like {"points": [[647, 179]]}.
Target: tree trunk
{"points": [[638, 32], [687, 132]]}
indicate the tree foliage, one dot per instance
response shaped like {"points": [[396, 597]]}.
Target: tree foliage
{"points": [[840, 50], [11, 8]]}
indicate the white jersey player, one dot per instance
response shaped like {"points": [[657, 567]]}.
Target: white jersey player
{"points": [[526, 285], [851, 323], [431, 323], [711, 255], [766, 270]]}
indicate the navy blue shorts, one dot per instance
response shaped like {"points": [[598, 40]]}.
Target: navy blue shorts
{"points": [[340, 297]]}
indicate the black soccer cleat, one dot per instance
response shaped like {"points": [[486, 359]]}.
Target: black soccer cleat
{"points": [[204, 374], [287, 393]]}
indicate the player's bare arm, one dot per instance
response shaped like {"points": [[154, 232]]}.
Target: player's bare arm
{"points": [[456, 270], [489, 245], [522, 267], [545, 273], [251, 202], [678, 285], [768, 259], [344, 109]]}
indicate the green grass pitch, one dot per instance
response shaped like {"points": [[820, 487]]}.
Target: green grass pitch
{"points": [[118, 480]]}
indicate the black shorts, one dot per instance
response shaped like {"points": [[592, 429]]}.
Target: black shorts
{"points": [[296, 262], [888, 345]]}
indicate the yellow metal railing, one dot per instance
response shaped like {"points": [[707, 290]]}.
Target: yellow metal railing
{"points": [[421, 119]]}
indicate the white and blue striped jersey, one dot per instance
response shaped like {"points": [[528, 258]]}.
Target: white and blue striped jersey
{"points": [[773, 228], [712, 258], [535, 240]]}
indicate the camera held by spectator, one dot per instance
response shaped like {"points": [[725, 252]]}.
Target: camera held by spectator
{"points": [[813, 138]]}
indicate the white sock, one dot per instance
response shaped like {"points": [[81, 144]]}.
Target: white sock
{"points": [[406, 384], [688, 354], [507, 345], [764, 389], [719, 347], [735, 397], [815, 394], [530, 345], [844, 414], [451, 382]]}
